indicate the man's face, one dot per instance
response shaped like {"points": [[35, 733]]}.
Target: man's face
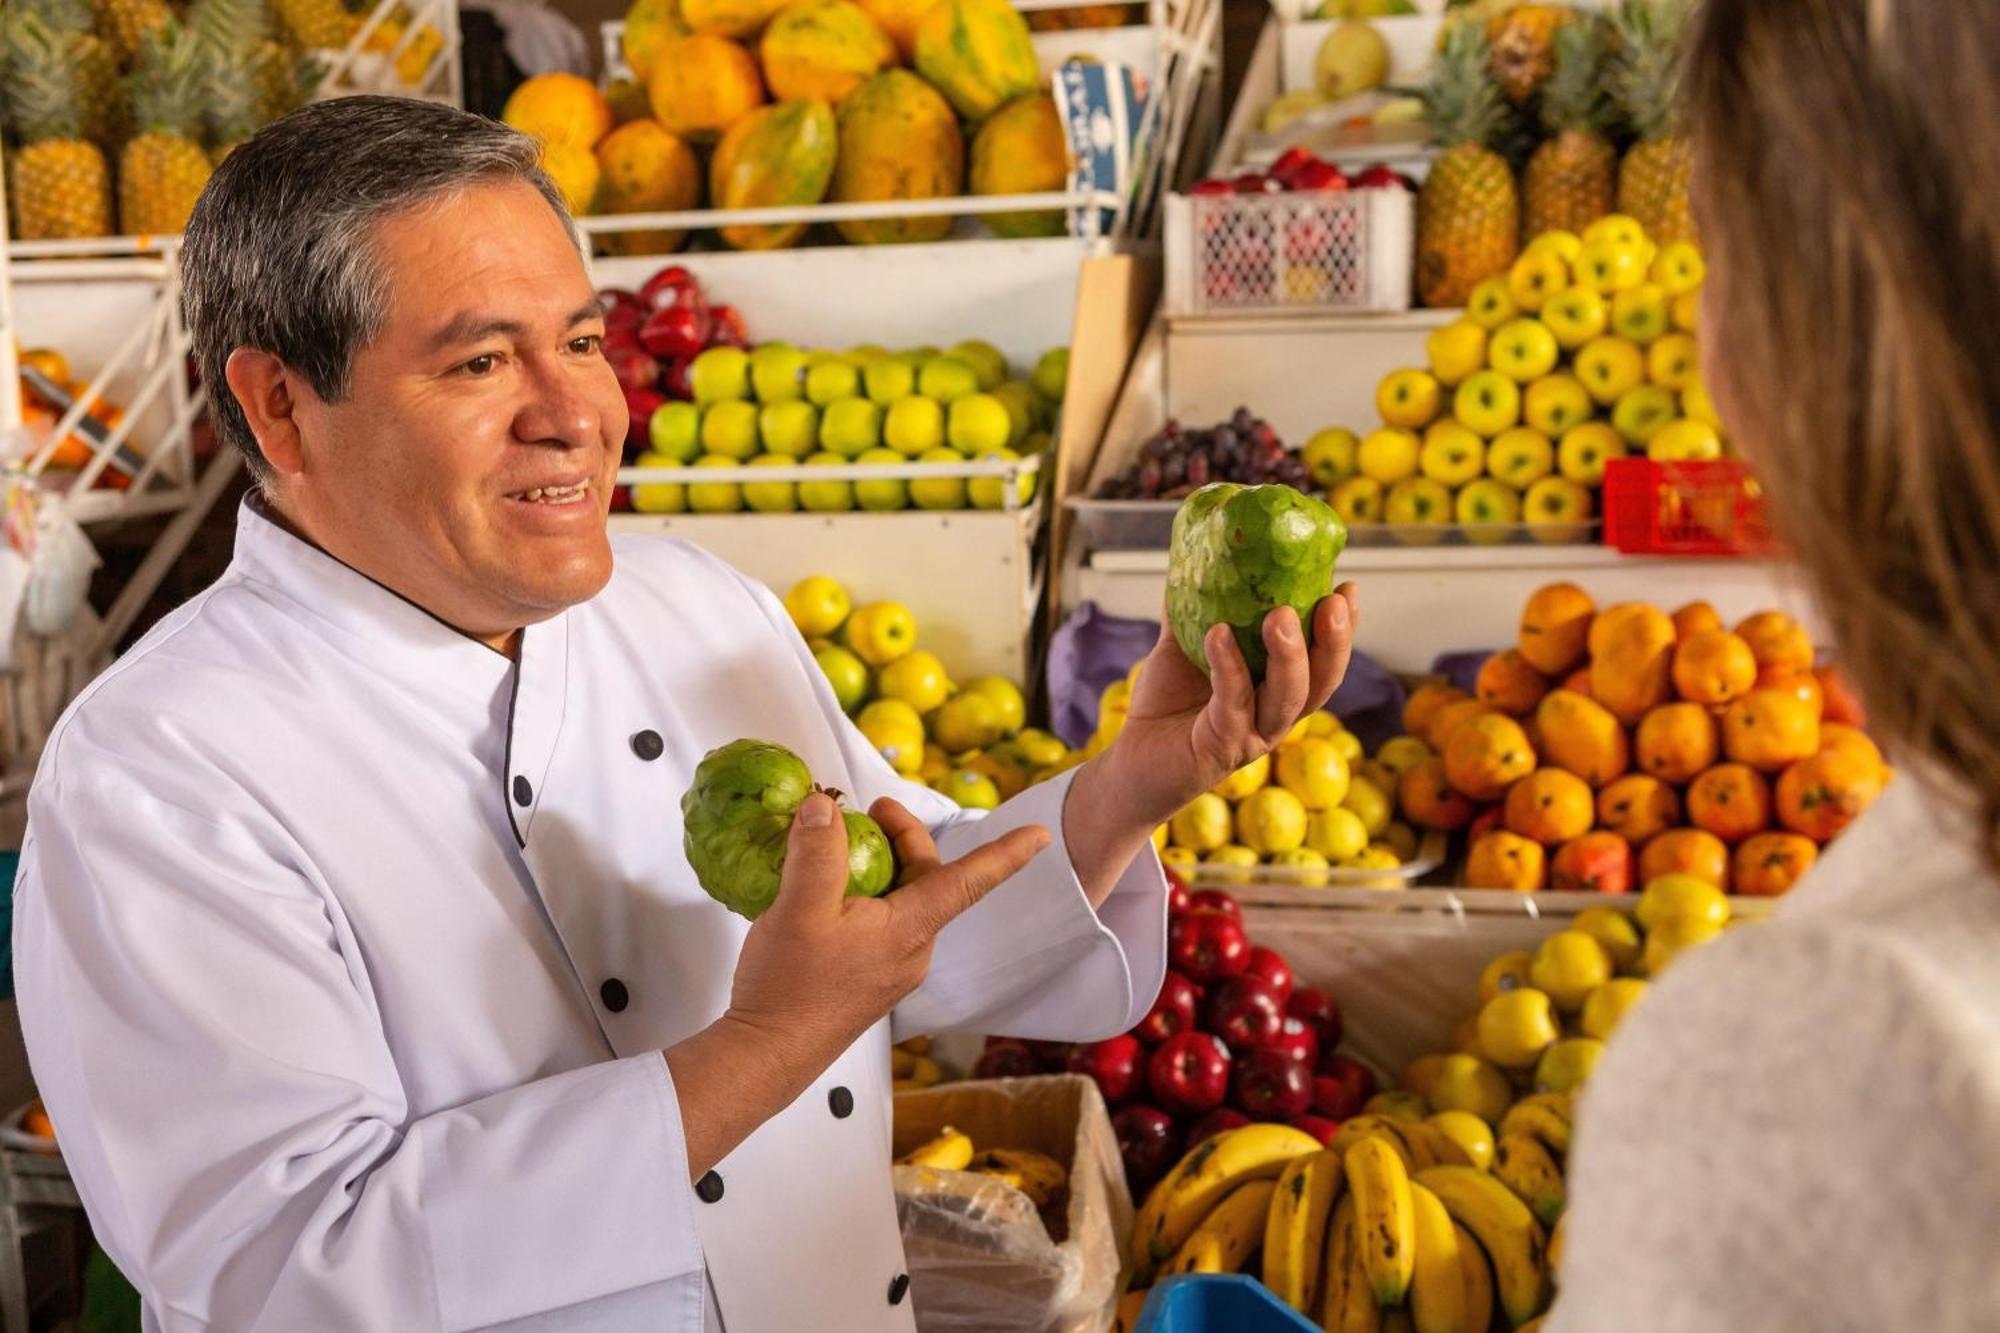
{"points": [[487, 385]]}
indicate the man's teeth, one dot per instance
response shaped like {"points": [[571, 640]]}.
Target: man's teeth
{"points": [[554, 494]]}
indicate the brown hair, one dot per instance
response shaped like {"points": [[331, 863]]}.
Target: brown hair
{"points": [[1848, 187]]}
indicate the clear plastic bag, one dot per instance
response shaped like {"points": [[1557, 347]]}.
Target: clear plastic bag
{"points": [[60, 570]]}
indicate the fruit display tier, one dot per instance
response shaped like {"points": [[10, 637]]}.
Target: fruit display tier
{"points": [[403, 48]]}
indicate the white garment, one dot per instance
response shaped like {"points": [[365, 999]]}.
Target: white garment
{"points": [[325, 1016], [1799, 1128]]}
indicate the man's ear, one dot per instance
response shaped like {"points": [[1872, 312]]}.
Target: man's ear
{"points": [[264, 388]]}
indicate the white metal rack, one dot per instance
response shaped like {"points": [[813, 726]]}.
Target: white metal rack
{"points": [[357, 69]]}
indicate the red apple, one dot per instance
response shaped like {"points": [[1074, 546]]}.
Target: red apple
{"points": [[1189, 1073], [1173, 1010], [1218, 1121], [1149, 1142], [726, 327], [1253, 182], [623, 317], [1318, 1010], [1319, 176], [1318, 1126], [621, 499], [1297, 1039], [1381, 176], [1343, 1087], [1290, 163], [1208, 946], [675, 331], [1272, 967], [1053, 1055], [1177, 895], [635, 368], [617, 342], [1246, 1012], [1005, 1057], [1270, 1085], [1214, 900], [640, 404], [1211, 186], [1114, 1064], [1594, 863], [675, 383], [672, 285]]}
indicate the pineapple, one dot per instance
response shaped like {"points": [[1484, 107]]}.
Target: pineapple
{"points": [[1468, 214], [1653, 179], [163, 169], [58, 180], [99, 98], [315, 25], [1523, 53], [1571, 181], [128, 22], [248, 70]]}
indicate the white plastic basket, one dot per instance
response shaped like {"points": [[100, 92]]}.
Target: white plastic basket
{"points": [[1306, 253]]}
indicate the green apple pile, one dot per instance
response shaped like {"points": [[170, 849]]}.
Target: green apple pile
{"points": [[781, 406], [1583, 352]]}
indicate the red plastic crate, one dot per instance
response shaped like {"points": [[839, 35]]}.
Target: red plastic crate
{"points": [[1714, 508]]}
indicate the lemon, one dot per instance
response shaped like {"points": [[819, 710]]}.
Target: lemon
{"points": [[1565, 1066], [1615, 931], [1408, 1106], [896, 731], [1402, 838], [1368, 801], [1468, 1083], [1404, 753], [1337, 834], [936, 765], [1507, 972], [881, 632], [917, 678], [1181, 861], [973, 791], [817, 605], [1670, 938], [1008, 776], [1569, 965], [1251, 777], [1313, 770], [1516, 1027], [1234, 862], [1347, 744], [1421, 1074], [966, 721], [1202, 825], [1304, 866], [1469, 1132], [1682, 896], [1301, 730], [1271, 820], [1006, 698], [1160, 838], [1608, 1005], [1041, 749], [1323, 723]]}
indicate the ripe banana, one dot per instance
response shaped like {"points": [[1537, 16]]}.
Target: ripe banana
{"points": [[1227, 1237], [1437, 1290], [1478, 1280], [926, 1072], [1295, 1230], [902, 1063], [1428, 1141], [1347, 1306], [1384, 1218], [1362, 1127], [951, 1150], [1513, 1240], [1129, 1307], [1546, 1116], [1036, 1175], [1524, 1166], [1190, 1191]]}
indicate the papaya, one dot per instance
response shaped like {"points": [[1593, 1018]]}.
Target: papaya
{"points": [[702, 84], [898, 140], [648, 23], [729, 18], [823, 49], [978, 54], [1021, 149], [777, 155], [899, 18], [645, 169], [1086, 16]]}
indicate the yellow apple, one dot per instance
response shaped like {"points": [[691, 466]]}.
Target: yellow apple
{"points": [[1686, 312], [1556, 500], [1330, 456], [1555, 403], [1617, 228], [1564, 245], [1417, 501], [1642, 412], [1523, 349], [1486, 502], [1521, 457], [1685, 441], [1456, 350], [1490, 306], [1535, 277], [1358, 501], [1608, 267], [1641, 313], [1487, 403], [1407, 399], [1696, 405], [1452, 454], [1679, 268], [1673, 361], [1610, 368], [1583, 452], [1576, 316], [1389, 455]]}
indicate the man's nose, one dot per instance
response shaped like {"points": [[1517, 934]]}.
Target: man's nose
{"points": [[559, 408]]}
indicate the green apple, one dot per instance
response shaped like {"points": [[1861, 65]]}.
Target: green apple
{"points": [[939, 492], [887, 494], [1332, 456], [1575, 316], [1641, 413], [1417, 501], [888, 379], [826, 497], [1641, 314], [1685, 441], [1487, 403], [1583, 452], [1556, 500], [1523, 350], [771, 497], [1487, 502], [847, 674], [986, 360], [865, 355], [1672, 362], [777, 372], [915, 426], [976, 423], [1555, 403], [1024, 410], [729, 428], [658, 497], [1452, 455], [715, 497], [675, 433], [1407, 399], [1051, 375], [719, 374], [991, 492], [1609, 367], [850, 427], [829, 378], [1521, 457], [1456, 350], [945, 378], [1358, 501], [1389, 455], [789, 428]]}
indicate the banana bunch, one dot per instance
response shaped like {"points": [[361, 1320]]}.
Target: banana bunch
{"points": [[911, 1066], [1037, 1175], [1400, 1222]]}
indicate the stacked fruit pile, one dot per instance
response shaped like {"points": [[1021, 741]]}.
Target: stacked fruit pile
{"points": [[970, 741], [1176, 461], [1628, 737], [799, 102], [1581, 353], [161, 93]]}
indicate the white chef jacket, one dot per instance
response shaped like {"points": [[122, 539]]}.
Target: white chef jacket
{"points": [[346, 950]]}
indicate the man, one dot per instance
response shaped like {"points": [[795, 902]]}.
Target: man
{"points": [[360, 966]]}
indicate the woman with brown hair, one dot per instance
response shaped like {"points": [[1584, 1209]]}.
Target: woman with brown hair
{"points": [[1800, 1128]]}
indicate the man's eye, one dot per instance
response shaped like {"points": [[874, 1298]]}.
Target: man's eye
{"points": [[484, 364], [590, 344]]}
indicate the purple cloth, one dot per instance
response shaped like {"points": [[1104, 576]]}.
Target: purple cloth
{"points": [[1461, 669]]}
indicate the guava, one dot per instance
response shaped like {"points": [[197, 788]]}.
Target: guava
{"points": [[737, 819], [1240, 552]]}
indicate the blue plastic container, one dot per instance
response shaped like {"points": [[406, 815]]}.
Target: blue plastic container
{"points": [[1230, 1303]]}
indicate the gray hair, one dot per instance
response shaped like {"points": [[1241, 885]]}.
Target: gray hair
{"points": [[279, 254]]}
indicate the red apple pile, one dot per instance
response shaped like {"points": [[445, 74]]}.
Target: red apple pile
{"points": [[652, 335], [1231, 1039], [1300, 169]]}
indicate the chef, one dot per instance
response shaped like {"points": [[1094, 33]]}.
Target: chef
{"points": [[359, 962]]}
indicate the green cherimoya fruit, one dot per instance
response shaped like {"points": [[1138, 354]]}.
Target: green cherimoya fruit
{"points": [[1241, 552], [738, 817]]}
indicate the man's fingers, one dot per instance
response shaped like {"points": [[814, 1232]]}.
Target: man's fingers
{"points": [[916, 854], [931, 903], [1334, 621], [1228, 675], [815, 873], [1287, 674]]}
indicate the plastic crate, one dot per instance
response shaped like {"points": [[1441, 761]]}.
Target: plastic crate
{"points": [[1296, 253], [1710, 508], [1218, 1303]]}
